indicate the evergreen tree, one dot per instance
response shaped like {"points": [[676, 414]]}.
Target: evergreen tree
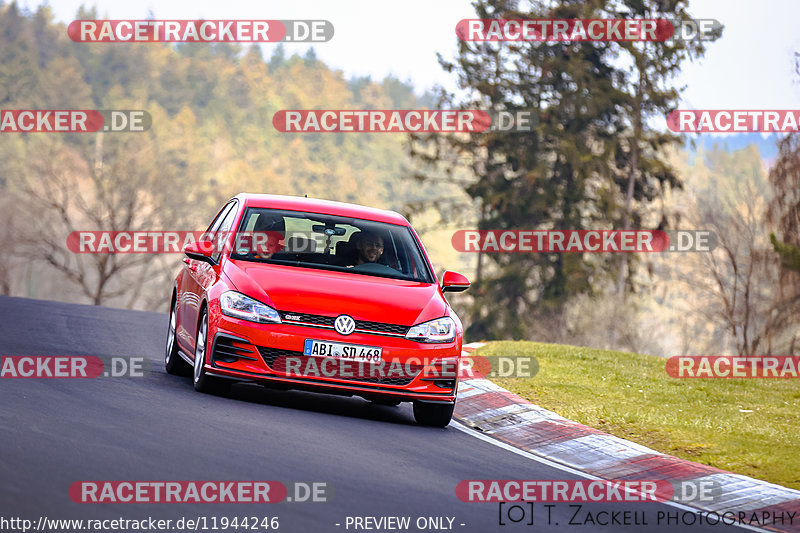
{"points": [[591, 161]]}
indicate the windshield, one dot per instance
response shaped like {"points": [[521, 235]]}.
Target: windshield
{"points": [[330, 242]]}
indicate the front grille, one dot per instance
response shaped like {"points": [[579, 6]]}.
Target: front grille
{"points": [[361, 325], [270, 355], [314, 367], [396, 329]]}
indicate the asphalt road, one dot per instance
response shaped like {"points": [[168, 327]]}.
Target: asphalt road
{"points": [[375, 460]]}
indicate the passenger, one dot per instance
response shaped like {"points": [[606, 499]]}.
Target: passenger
{"points": [[267, 250], [267, 236]]}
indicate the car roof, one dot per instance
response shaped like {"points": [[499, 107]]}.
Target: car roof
{"points": [[326, 207]]}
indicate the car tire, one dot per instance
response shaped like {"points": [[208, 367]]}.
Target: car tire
{"points": [[433, 414], [202, 381], [173, 361]]}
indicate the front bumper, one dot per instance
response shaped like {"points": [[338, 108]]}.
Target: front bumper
{"points": [[272, 354]]}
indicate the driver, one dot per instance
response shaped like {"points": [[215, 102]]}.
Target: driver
{"points": [[369, 247]]}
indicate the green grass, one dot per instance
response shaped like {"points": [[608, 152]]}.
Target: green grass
{"points": [[631, 396]]}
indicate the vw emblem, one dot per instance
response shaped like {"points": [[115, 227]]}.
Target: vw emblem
{"points": [[344, 324]]}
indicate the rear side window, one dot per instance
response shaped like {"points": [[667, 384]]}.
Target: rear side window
{"points": [[218, 219], [225, 224]]}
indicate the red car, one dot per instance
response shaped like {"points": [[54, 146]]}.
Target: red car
{"points": [[297, 293]]}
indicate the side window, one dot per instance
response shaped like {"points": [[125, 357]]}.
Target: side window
{"points": [[218, 219], [247, 227], [222, 231]]}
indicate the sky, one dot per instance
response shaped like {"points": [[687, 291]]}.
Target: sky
{"points": [[750, 67]]}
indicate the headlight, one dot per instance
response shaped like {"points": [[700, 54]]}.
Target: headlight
{"points": [[439, 330], [238, 305]]}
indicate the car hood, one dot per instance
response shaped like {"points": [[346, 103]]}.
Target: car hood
{"points": [[323, 292]]}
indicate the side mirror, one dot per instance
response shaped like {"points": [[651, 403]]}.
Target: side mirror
{"points": [[454, 282], [200, 250]]}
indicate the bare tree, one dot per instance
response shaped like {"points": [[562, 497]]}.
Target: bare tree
{"points": [[120, 187], [736, 283]]}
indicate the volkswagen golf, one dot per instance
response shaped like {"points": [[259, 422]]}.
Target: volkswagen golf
{"points": [[299, 293]]}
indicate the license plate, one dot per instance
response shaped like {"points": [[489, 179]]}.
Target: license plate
{"points": [[351, 352]]}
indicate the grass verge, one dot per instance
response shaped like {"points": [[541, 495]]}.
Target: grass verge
{"points": [[746, 426]]}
